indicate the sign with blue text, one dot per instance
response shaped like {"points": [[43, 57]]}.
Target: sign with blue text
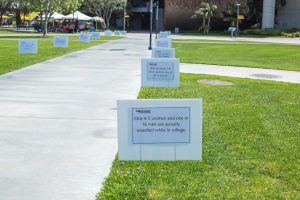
{"points": [[162, 35], [158, 52], [160, 72], [166, 129], [108, 33], [83, 37], [28, 46], [60, 41], [117, 33], [231, 29], [164, 43], [95, 35], [168, 33], [153, 125]]}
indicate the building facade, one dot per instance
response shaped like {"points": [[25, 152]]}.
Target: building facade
{"points": [[177, 13], [171, 13], [289, 15]]}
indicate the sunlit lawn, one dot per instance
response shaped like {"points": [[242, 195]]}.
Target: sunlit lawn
{"points": [[241, 54], [11, 60], [251, 146]]}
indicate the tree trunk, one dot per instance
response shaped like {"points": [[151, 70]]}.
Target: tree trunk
{"points": [[203, 25], [107, 22], [41, 22], [18, 19], [208, 25], [74, 20], [1, 16], [45, 31]]}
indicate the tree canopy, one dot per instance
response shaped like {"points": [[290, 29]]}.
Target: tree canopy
{"points": [[104, 8]]}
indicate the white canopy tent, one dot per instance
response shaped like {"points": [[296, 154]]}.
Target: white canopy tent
{"points": [[78, 16], [55, 15], [98, 19]]}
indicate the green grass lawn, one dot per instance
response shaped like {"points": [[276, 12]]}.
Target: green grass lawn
{"points": [[11, 60], [270, 56], [224, 33], [251, 146], [203, 41]]}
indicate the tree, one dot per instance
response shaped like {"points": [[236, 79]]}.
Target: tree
{"points": [[19, 6], [4, 7], [104, 8], [206, 12], [47, 7], [232, 13], [201, 14]]}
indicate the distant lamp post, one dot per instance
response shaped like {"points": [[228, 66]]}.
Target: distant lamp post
{"points": [[78, 20], [151, 19], [157, 5], [237, 18], [124, 20]]}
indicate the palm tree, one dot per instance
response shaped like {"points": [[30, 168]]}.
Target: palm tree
{"points": [[213, 12], [201, 14], [206, 12]]}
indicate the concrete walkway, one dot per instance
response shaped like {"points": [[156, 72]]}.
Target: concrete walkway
{"points": [[58, 121], [242, 72]]}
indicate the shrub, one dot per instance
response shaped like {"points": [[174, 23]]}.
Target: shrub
{"points": [[286, 34], [265, 32]]}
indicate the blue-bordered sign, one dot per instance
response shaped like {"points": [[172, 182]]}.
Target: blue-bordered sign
{"points": [[61, 41], [95, 35], [156, 125], [160, 71], [28, 46], [83, 37], [231, 29]]}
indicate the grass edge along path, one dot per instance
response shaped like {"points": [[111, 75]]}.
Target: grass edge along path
{"points": [[256, 55], [250, 146], [11, 60], [4, 31]]}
